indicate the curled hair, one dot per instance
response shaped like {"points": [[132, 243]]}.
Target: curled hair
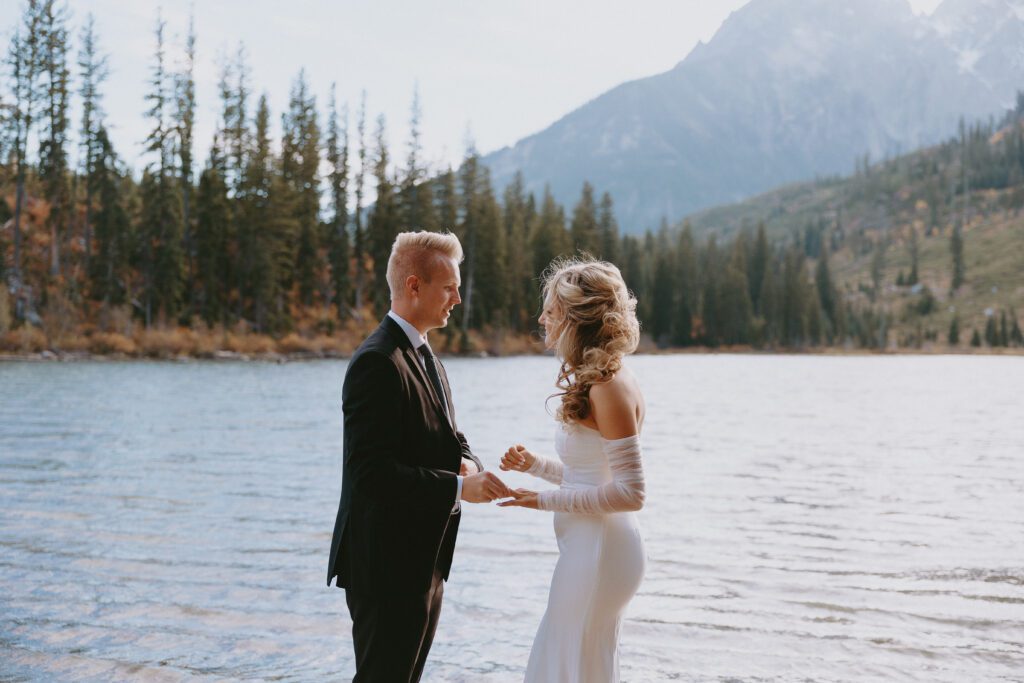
{"points": [[596, 327]]}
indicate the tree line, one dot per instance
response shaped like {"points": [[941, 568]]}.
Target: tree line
{"points": [[294, 222]]}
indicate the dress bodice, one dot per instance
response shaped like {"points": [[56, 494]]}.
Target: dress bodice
{"points": [[584, 461]]}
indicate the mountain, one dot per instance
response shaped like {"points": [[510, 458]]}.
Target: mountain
{"points": [[786, 90]]}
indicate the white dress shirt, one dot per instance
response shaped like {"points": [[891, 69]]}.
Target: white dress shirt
{"points": [[417, 340]]}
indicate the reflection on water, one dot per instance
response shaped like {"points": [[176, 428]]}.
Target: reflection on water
{"points": [[808, 518]]}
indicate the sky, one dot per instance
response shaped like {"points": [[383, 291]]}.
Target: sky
{"points": [[487, 72]]}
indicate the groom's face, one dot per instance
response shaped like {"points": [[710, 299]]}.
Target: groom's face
{"points": [[440, 294]]}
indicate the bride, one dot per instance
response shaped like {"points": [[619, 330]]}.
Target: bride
{"points": [[589, 319]]}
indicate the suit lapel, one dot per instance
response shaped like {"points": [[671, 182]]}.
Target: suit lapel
{"points": [[411, 357]]}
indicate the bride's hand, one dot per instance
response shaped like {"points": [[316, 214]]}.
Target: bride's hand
{"points": [[517, 458], [521, 498]]}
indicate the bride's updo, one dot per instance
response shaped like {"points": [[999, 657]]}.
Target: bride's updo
{"points": [[596, 327]]}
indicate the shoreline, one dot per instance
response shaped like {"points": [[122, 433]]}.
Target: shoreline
{"points": [[225, 356]]}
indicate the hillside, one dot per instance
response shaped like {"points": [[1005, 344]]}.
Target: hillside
{"points": [[871, 220]]}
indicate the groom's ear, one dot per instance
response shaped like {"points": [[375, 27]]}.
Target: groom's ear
{"points": [[412, 285]]}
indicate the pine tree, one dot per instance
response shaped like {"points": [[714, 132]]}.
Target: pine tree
{"points": [[277, 253], [213, 218], [185, 99], [160, 232], [24, 58], [877, 270], [53, 137], [469, 229], [584, 229], [737, 311], [711, 308], [956, 243], [976, 339], [383, 224], [233, 143], [337, 237], [266, 261], [161, 259], [769, 306], [268, 252], [1016, 337], [417, 206], [756, 267], [664, 287], [956, 246], [815, 317], [300, 162], [608, 229], [632, 266], [912, 279], [644, 288], [490, 256], [829, 298], [685, 298], [446, 200], [549, 238], [954, 331], [991, 332], [794, 300], [109, 271], [93, 72], [234, 97], [521, 291], [358, 233]]}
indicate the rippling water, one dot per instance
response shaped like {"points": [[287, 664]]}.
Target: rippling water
{"points": [[808, 518]]}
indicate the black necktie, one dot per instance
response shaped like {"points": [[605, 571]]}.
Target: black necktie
{"points": [[430, 363]]}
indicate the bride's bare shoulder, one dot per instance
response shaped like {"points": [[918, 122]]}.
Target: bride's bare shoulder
{"points": [[622, 384], [617, 405]]}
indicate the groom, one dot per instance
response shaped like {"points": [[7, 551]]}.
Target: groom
{"points": [[406, 468]]}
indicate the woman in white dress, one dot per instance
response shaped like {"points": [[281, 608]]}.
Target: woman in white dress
{"points": [[589, 319]]}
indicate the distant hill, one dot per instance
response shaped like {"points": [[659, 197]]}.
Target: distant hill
{"points": [[878, 217], [786, 90]]}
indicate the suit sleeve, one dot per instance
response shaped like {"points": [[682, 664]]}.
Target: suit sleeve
{"points": [[369, 399], [467, 453]]}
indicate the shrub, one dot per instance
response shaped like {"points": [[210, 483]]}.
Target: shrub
{"points": [[60, 319], [5, 309], [111, 342], [116, 319], [164, 343], [249, 344], [26, 339], [293, 343]]}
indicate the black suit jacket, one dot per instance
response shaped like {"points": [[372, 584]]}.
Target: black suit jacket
{"points": [[401, 458]]}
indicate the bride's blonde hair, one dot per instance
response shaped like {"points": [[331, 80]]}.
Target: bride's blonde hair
{"points": [[597, 327]]}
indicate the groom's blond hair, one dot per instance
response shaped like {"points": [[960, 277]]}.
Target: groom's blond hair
{"points": [[417, 253]]}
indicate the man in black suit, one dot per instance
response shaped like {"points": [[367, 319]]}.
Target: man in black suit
{"points": [[406, 468]]}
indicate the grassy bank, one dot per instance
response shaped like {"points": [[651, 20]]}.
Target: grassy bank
{"points": [[217, 343]]}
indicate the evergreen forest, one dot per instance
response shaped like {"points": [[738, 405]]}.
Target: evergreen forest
{"points": [[273, 237]]}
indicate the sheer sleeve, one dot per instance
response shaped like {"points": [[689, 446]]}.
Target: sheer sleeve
{"points": [[624, 493], [546, 469]]}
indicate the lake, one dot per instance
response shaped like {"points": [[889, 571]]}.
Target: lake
{"points": [[808, 518]]}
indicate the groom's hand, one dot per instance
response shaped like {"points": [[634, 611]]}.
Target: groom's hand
{"points": [[483, 487], [467, 468]]}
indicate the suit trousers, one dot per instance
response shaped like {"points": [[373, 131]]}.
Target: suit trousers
{"points": [[392, 633]]}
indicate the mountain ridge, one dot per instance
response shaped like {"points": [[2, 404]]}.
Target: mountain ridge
{"points": [[784, 91]]}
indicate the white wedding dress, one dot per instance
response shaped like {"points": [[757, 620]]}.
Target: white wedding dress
{"points": [[601, 555]]}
